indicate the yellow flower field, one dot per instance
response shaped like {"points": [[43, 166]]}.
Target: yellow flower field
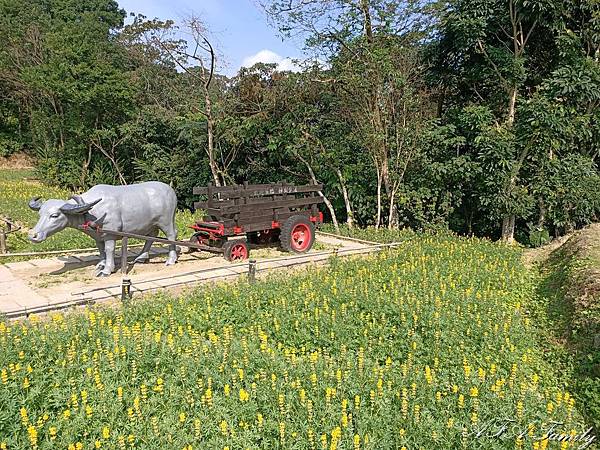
{"points": [[425, 347]]}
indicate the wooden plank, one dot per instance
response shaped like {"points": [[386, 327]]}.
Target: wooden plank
{"points": [[203, 190], [276, 190], [104, 232], [259, 225], [205, 205], [265, 206], [257, 190], [268, 205], [262, 209], [254, 226], [281, 217]]}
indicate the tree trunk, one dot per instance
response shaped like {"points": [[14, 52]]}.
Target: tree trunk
{"points": [[542, 217], [367, 25], [86, 166], [211, 145], [311, 172], [336, 225], [392, 210], [469, 220], [378, 221], [508, 222], [385, 172], [349, 213], [508, 229], [512, 102]]}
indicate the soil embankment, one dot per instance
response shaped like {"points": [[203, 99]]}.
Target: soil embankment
{"points": [[569, 312]]}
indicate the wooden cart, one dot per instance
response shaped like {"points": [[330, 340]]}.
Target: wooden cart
{"points": [[240, 217]]}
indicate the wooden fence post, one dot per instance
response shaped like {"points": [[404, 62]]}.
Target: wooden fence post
{"points": [[124, 255], [125, 281], [252, 271], [2, 241]]}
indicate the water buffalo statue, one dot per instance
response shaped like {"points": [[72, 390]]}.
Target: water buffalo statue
{"points": [[143, 208]]}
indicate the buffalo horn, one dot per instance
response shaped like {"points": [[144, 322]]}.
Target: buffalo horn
{"points": [[35, 203], [69, 208], [78, 199]]}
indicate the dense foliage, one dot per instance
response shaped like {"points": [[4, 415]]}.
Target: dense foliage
{"points": [[419, 347], [478, 116]]}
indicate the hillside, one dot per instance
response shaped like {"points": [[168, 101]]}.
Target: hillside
{"points": [[569, 309]]}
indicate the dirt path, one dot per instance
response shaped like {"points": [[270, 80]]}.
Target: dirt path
{"points": [[37, 285], [532, 256], [15, 293]]}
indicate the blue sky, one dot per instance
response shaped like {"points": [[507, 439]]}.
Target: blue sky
{"points": [[238, 27]]}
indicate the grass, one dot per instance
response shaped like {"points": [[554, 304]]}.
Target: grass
{"points": [[418, 347], [568, 309], [382, 235]]}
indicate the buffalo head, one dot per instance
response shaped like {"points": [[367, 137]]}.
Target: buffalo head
{"points": [[56, 215]]}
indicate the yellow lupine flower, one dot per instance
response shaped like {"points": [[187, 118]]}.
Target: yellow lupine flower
{"points": [[223, 427], [24, 416], [32, 432]]}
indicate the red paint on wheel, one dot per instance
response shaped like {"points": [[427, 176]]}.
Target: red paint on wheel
{"points": [[301, 237], [239, 252]]}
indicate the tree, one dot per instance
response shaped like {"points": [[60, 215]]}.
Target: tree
{"points": [[374, 72], [484, 46], [200, 64]]}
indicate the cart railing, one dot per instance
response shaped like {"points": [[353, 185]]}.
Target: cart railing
{"points": [[249, 204]]}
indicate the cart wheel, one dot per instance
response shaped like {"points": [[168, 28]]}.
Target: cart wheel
{"points": [[196, 238], [297, 234], [236, 250]]}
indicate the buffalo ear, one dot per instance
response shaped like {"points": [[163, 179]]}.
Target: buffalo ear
{"points": [[35, 203], [69, 208], [78, 199]]}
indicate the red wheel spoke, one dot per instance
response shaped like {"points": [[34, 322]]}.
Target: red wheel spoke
{"points": [[239, 252]]}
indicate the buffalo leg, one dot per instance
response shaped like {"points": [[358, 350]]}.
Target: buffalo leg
{"points": [[171, 233], [144, 255], [102, 263], [109, 268]]}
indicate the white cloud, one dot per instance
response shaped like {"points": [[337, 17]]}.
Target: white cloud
{"points": [[268, 57]]}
